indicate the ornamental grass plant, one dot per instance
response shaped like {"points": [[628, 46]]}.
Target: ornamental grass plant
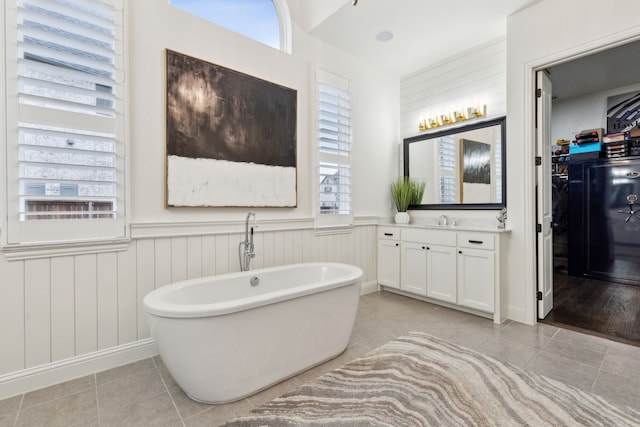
{"points": [[406, 191]]}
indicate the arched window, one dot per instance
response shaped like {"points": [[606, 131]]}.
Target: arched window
{"points": [[266, 21]]}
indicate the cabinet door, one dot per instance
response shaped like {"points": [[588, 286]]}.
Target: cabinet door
{"points": [[476, 278], [389, 263], [413, 273], [441, 273]]}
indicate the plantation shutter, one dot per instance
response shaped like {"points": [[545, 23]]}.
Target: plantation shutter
{"points": [[334, 150], [446, 166], [70, 146]]}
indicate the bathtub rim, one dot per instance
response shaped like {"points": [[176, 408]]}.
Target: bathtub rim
{"points": [[154, 303]]}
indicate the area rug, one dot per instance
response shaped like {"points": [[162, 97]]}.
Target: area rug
{"points": [[421, 380]]}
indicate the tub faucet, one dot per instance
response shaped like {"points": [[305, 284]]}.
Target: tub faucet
{"points": [[245, 249]]}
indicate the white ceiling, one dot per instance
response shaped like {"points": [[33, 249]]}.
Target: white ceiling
{"points": [[428, 31], [425, 31], [609, 69]]}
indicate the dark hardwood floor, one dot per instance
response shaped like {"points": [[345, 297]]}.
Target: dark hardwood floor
{"points": [[597, 307]]}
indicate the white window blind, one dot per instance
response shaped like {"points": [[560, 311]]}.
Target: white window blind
{"points": [[334, 149], [68, 151], [446, 166]]}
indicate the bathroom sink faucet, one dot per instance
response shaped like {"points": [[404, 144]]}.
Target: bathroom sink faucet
{"points": [[246, 249], [444, 220]]}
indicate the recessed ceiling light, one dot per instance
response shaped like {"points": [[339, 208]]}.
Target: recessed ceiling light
{"points": [[384, 36]]}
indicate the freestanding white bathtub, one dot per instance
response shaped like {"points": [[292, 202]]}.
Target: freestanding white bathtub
{"points": [[223, 338]]}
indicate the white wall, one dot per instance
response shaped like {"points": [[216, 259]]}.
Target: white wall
{"points": [[375, 109], [66, 314], [547, 33], [478, 74]]}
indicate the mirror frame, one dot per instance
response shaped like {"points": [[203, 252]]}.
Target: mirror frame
{"points": [[502, 122]]}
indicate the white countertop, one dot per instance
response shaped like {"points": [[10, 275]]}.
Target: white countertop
{"points": [[480, 225]]}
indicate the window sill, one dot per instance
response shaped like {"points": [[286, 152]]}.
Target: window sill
{"points": [[34, 251], [333, 229]]}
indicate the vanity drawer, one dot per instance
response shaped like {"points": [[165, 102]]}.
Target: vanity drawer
{"points": [[429, 236], [389, 233], [476, 240]]}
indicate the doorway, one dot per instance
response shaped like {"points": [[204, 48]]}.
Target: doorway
{"points": [[594, 305]]}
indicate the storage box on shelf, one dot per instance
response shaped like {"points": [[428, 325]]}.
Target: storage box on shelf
{"points": [[587, 144], [616, 144]]}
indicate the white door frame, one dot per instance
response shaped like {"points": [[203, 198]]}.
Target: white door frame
{"points": [[529, 101]]}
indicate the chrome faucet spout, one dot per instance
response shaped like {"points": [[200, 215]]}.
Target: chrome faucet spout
{"points": [[246, 224], [246, 248]]}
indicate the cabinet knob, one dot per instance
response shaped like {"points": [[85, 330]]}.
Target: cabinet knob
{"points": [[397, 244], [459, 252], [428, 248], [424, 247], [388, 234]]}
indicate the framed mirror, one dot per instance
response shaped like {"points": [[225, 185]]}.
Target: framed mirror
{"points": [[462, 167]]}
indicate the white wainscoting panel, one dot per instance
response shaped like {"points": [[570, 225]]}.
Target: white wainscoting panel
{"points": [[86, 287], [12, 314], [37, 316], [194, 257], [208, 255], [66, 309], [179, 259], [107, 293], [63, 322], [222, 254], [163, 262], [146, 277], [127, 314], [267, 249]]}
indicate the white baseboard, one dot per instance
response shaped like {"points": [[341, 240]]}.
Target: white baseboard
{"points": [[30, 379], [517, 314], [369, 287]]}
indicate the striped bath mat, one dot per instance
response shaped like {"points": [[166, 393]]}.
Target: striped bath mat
{"points": [[421, 380]]}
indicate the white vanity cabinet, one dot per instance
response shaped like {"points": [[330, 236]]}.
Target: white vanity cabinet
{"points": [[389, 257], [413, 270], [456, 268], [428, 263], [441, 273], [476, 271]]}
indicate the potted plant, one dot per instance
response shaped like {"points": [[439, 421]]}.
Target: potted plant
{"points": [[406, 191]]}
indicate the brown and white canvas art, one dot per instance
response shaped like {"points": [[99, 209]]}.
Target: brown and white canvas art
{"points": [[476, 171], [230, 137]]}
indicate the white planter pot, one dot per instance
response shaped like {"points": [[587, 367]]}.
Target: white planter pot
{"points": [[402, 218]]}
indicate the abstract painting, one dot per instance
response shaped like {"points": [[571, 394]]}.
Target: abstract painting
{"points": [[230, 137], [476, 171]]}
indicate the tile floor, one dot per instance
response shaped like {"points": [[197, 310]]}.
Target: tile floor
{"points": [[144, 394]]}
